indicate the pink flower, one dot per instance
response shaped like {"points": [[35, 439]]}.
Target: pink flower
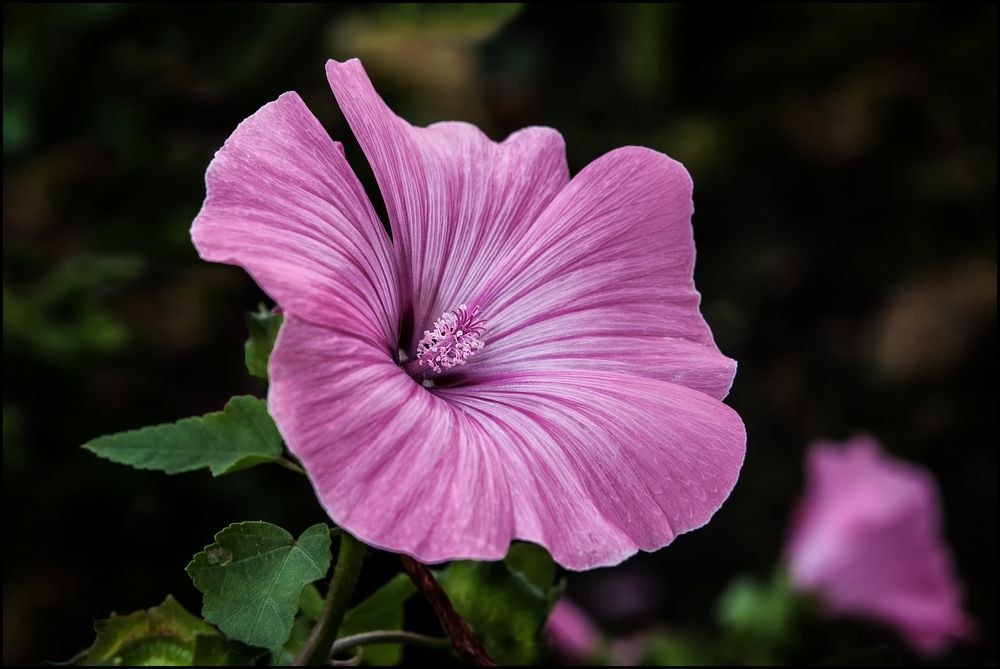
{"points": [[524, 358], [866, 538], [572, 634]]}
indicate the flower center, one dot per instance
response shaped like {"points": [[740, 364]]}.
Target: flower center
{"points": [[455, 337]]}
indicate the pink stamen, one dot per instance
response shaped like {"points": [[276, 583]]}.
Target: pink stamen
{"points": [[455, 338]]}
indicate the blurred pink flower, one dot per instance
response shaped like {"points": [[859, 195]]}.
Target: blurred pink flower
{"points": [[523, 358], [866, 539], [572, 633]]}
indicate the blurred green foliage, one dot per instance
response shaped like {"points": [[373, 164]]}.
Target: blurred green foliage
{"points": [[761, 620], [62, 317], [844, 160]]}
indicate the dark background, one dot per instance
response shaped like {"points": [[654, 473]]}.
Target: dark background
{"points": [[844, 161]]}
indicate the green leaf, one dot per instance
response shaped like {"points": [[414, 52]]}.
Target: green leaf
{"points": [[239, 436], [536, 565], [383, 610], [156, 651], [301, 629], [216, 651], [504, 609], [163, 635], [310, 609], [264, 326], [253, 576], [311, 603]]}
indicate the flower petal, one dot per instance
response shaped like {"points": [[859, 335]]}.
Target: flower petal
{"points": [[395, 465], [602, 280], [866, 537], [594, 466], [284, 204], [572, 633], [456, 200], [601, 464]]}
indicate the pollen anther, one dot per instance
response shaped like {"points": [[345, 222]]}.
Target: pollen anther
{"points": [[455, 337]]}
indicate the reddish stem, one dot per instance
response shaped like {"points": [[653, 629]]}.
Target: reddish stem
{"points": [[466, 645]]}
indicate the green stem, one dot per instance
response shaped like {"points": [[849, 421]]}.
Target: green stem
{"points": [[288, 464], [319, 645], [367, 638]]}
